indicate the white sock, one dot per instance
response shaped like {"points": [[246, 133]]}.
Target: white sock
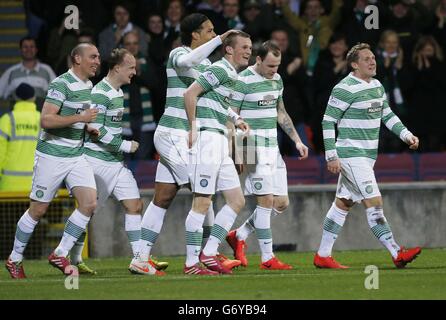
{"points": [[246, 228], [151, 225], [262, 223], [381, 229], [223, 222], [76, 251], [194, 237], [207, 224], [332, 227], [133, 229], [75, 226], [24, 231]]}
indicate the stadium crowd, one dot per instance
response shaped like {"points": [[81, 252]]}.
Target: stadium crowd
{"points": [[313, 35]]}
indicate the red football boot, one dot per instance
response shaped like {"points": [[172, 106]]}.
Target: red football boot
{"points": [[60, 263], [406, 256], [238, 246], [199, 270], [327, 262], [15, 269], [213, 263], [275, 264], [228, 263]]}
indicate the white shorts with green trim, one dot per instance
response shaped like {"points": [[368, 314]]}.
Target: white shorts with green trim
{"points": [[357, 180]]}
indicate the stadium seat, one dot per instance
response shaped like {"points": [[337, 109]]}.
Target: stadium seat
{"points": [[432, 166], [395, 168], [307, 171]]}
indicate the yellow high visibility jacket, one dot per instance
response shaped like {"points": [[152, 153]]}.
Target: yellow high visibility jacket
{"points": [[19, 131]]}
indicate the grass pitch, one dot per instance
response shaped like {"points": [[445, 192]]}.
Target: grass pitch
{"points": [[425, 278]]}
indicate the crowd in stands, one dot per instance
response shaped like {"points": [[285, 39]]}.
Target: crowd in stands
{"points": [[313, 35]]}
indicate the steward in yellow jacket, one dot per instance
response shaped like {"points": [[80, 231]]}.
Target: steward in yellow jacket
{"points": [[19, 131]]}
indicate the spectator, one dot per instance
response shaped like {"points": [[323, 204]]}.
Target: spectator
{"points": [[439, 30], [158, 51], [294, 80], [30, 71], [331, 68], [231, 10], [174, 14], [111, 36], [395, 77], [427, 111], [213, 9], [314, 28], [18, 140], [138, 123], [353, 22], [408, 18]]}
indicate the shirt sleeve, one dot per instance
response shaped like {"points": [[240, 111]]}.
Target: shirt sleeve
{"points": [[57, 93], [213, 77], [338, 103]]}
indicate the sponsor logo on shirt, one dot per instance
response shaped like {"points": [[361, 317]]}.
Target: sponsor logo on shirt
{"points": [[375, 107], [118, 117]]}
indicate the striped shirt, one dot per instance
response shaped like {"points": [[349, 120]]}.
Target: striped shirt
{"points": [[174, 119], [357, 107], [110, 105], [72, 96], [222, 89], [259, 106], [38, 78]]}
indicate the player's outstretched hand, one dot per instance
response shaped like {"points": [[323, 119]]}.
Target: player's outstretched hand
{"points": [[413, 142], [89, 115], [334, 166], [242, 125], [303, 150], [134, 147], [227, 33]]}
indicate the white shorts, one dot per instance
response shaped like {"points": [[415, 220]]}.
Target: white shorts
{"points": [[113, 179], [175, 158], [213, 168], [261, 179], [357, 180], [49, 175]]}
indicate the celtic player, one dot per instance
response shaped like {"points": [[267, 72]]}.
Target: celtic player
{"points": [[207, 102], [266, 177], [358, 105], [184, 65], [59, 159]]}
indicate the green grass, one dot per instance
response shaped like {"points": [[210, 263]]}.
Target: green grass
{"points": [[425, 278]]}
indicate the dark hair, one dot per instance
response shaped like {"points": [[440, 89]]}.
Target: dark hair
{"points": [[27, 38], [266, 47], [123, 5], [191, 23], [353, 54], [78, 50], [335, 37], [230, 39], [117, 57]]}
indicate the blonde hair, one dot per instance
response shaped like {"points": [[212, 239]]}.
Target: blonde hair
{"points": [[353, 53]]}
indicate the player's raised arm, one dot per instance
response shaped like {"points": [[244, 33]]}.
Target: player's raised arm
{"points": [[287, 126], [200, 53]]}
